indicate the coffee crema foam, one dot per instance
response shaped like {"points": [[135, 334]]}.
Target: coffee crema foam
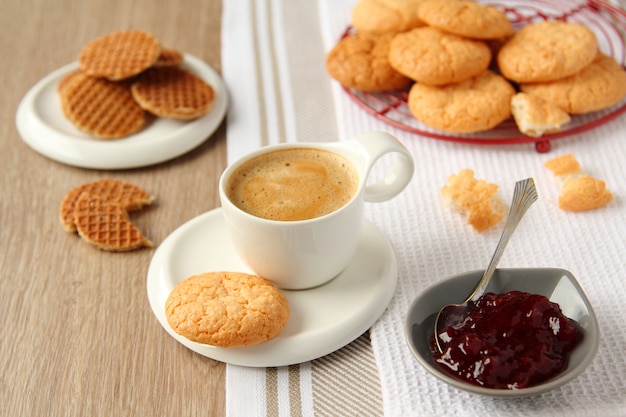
{"points": [[293, 184]]}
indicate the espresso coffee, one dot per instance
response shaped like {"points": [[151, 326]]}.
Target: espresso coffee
{"points": [[293, 184]]}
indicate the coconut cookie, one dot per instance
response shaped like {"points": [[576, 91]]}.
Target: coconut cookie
{"points": [[547, 51], [434, 57], [476, 198], [598, 86], [385, 16], [563, 165], [361, 62], [227, 309], [466, 18], [469, 106], [535, 116], [584, 193]]}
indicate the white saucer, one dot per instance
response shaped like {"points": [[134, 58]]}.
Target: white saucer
{"points": [[322, 319], [42, 125]]}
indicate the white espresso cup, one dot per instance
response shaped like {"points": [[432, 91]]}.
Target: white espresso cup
{"points": [[305, 253]]}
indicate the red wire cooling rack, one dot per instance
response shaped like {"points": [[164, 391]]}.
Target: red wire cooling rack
{"points": [[606, 20]]}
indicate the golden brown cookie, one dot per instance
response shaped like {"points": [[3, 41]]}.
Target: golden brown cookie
{"points": [[127, 195], [470, 106], [563, 165], [476, 198], [227, 309], [65, 80], [597, 86], [362, 62], [434, 57], [173, 92], [535, 116], [106, 225], [547, 51], [119, 55], [99, 107], [466, 18], [169, 57], [385, 16], [584, 193]]}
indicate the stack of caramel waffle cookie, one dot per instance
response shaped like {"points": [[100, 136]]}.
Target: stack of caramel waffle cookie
{"points": [[123, 78]]}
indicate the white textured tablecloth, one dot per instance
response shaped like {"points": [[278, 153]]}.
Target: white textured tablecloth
{"points": [[273, 64]]}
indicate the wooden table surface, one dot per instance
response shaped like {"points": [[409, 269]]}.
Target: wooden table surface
{"points": [[78, 337]]}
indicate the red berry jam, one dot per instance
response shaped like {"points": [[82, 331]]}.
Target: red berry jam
{"points": [[508, 341]]}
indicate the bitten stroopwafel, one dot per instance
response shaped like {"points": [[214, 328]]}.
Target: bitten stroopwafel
{"points": [[106, 225], [126, 195], [120, 55], [99, 107], [173, 92]]}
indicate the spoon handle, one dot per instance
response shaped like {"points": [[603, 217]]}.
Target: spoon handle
{"points": [[524, 196]]}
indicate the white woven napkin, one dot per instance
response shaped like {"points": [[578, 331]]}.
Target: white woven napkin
{"points": [[260, 50], [432, 243]]}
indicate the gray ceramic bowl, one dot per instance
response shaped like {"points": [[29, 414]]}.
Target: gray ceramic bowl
{"points": [[557, 284]]}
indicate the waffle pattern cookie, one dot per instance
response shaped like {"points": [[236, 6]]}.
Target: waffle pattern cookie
{"points": [[169, 57], [98, 99], [99, 107], [127, 195], [119, 55], [173, 92], [227, 309], [106, 225], [385, 16]]}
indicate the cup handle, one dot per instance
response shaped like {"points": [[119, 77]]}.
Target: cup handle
{"points": [[375, 145]]}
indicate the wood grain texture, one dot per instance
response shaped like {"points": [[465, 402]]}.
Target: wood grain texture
{"points": [[78, 337]]}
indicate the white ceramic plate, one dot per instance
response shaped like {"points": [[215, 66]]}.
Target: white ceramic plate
{"points": [[322, 319], [42, 125]]}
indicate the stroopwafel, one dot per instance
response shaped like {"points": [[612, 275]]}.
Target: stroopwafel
{"points": [[106, 225], [120, 55], [99, 107], [173, 92], [169, 57], [126, 195]]}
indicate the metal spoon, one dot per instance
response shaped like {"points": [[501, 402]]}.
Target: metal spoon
{"points": [[524, 196]]}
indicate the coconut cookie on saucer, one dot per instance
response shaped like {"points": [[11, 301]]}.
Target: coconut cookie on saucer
{"points": [[227, 309]]}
